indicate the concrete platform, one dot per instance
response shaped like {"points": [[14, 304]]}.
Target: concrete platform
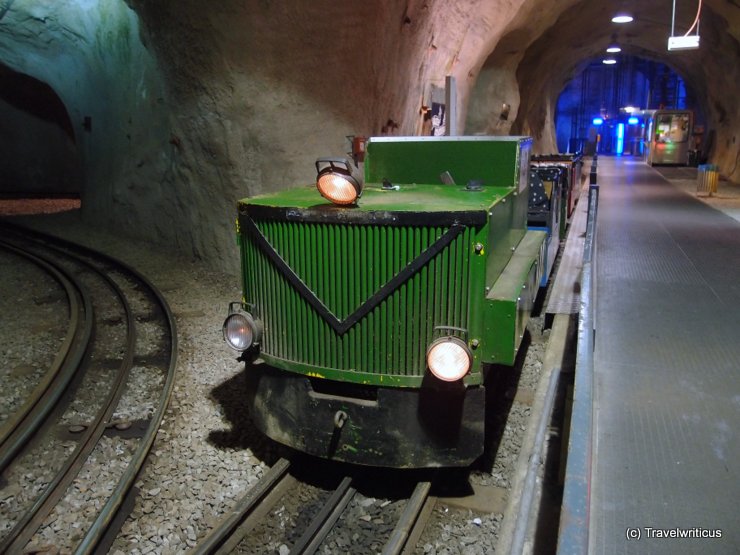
{"points": [[665, 475]]}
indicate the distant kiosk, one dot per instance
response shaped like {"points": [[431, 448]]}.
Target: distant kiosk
{"points": [[668, 136]]}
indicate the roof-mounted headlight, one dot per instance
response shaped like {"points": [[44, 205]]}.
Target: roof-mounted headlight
{"points": [[241, 330], [336, 182], [449, 358]]}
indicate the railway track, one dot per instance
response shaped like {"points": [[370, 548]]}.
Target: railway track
{"points": [[369, 512], [102, 397], [329, 511], [284, 514]]}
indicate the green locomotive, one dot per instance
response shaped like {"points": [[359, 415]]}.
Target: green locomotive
{"points": [[371, 312]]}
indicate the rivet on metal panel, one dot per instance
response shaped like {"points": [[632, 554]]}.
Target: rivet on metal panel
{"points": [[474, 343], [488, 288], [479, 248]]}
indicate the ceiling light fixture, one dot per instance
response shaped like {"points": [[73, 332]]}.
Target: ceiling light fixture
{"points": [[613, 49], [622, 17], [609, 61]]}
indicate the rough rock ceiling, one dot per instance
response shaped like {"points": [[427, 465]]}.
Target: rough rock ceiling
{"points": [[193, 105]]}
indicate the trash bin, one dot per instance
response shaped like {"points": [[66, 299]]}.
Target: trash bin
{"points": [[706, 179]]}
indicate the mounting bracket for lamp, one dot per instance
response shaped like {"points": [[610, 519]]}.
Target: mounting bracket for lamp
{"points": [[687, 41]]}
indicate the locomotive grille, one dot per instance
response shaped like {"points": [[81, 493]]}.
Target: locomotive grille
{"points": [[344, 266]]}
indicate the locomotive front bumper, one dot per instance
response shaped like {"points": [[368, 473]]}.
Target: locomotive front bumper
{"points": [[434, 426]]}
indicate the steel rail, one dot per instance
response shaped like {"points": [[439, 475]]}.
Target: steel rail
{"points": [[218, 536], [324, 521], [40, 407], [107, 514], [73, 298], [535, 460], [27, 526], [408, 519], [416, 531], [109, 511]]}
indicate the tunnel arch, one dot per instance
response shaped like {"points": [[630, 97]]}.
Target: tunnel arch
{"points": [[533, 75], [34, 97], [38, 142], [604, 90], [90, 53]]}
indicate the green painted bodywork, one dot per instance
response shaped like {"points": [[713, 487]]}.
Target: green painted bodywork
{"points": [[344, 256], [510, 300], [493, 160], [410, 197]]}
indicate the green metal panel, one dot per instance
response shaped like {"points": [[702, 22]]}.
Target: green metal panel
{"points": [[345, 255], [508, 303], [409, 198], [386, 347], [507, 226], [494, 160]]}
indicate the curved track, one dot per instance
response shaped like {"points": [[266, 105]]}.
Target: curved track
{"points": [[88, 402], [17, 429]]}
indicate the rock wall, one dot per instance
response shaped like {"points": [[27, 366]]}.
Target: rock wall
{"points": [[193, 105], [531, 64], [259, 90], [89, 52]]}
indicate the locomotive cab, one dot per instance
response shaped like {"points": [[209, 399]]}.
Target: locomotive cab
{"points": [[368, 324]]}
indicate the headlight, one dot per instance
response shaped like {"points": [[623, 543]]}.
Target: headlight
{"points": [[241, 330], [335, 181], [449, 358]]}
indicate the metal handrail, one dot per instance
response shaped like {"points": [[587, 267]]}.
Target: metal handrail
{"points": [[573, 536]]}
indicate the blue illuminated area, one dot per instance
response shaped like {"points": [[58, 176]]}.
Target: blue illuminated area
{"points": [[602, 109], [620, 139]]}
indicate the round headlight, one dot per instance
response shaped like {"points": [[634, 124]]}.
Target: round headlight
{"points": [[239, 331], [449, 358], [337, 188], [335, 181]]}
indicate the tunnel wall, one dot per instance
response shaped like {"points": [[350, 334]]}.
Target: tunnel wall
{"points": [[534, 74], [193, 105], [89, 52], [259, 90]]}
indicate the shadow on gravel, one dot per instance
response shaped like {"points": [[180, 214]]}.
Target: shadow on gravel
{"points": [[501, 386], [231, 397]]}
